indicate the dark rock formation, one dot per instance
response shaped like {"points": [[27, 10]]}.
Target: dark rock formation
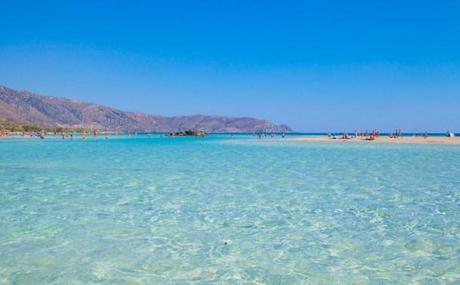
{"points": [[187, 133]]}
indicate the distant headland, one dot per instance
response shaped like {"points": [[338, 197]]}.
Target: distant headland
{"points": [[23, 109]]}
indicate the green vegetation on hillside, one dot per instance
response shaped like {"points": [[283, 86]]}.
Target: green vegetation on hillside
{"points": [[8, 126]]}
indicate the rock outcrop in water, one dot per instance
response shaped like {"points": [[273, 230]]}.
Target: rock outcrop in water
{"points": [[25, 107], [187, 133]]}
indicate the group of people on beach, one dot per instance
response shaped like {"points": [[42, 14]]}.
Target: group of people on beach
{"points": [[84, 135], [366, 135], [42, 134], [261, 135], [3, 133], [370, 136], [397, 134]]}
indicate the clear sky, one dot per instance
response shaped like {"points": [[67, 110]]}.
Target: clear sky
{"points": [[314, 65]]}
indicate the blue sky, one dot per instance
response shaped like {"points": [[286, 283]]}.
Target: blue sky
{"points": [[314, 65]]}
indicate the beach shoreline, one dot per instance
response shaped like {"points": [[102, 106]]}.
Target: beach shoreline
{"points": [[380, 140]]}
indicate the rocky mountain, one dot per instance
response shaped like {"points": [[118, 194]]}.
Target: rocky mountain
{"points": [[25, 107]]}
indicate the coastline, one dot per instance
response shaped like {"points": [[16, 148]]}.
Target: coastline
{"points": [[430, 140], [380, 140]]}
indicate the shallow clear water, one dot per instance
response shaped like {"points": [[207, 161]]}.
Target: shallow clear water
{"points": [[150, 210]]}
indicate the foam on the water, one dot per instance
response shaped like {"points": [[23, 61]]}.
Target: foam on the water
{"points": [[145, 210]]}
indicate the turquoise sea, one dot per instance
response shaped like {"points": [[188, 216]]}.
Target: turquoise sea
{"points": [[155, 210]]}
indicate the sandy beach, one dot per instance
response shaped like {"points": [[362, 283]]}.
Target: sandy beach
{"points": [[381, 139]]}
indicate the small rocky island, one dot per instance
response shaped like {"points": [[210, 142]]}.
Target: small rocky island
{"points": [[187, 133]]}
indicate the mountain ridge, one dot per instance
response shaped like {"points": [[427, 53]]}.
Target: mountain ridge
{"points": [[49, 111]]}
